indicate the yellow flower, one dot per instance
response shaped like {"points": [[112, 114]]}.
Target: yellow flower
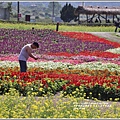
{"points": [[46, 104], [71, 116], [15, 76], [34, 93], [77, 89], [20, 83], [116, 99], [26, 116], [8, 77], [73, 92], [55, 116], [41, 89], [110, 99], [41, 84], [28, 83], [76, 110], [34, 107], [49, 81], [84, 94], [90, 93]]}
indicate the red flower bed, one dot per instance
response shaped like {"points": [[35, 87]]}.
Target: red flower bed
{"points": [[75, 79], [88, 53], [88, 37], [62, 54], [100, 54]]}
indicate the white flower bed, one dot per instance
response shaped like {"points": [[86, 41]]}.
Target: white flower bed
{"points": [[59, 65], [116, 50]]}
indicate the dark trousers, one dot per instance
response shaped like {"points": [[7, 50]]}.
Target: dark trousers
{"points": [[116, 29], [23, 66]]}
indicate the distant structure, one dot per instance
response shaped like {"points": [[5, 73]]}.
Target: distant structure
{"points": [[97, 14], [4, 14], [58, 19]]}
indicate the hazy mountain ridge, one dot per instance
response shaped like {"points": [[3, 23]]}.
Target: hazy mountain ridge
{"points": [[75, 4]]}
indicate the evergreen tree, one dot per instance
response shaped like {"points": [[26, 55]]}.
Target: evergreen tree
{"points": [[9, 6], [67, 13]]}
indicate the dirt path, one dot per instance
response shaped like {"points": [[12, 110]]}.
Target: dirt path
{"points": [[115, 37]]}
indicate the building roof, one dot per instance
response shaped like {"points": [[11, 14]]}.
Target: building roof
{"points": [[98, 10]]}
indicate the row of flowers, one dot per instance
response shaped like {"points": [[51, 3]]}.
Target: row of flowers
{"points": [[116, 50], [50, 65], [112, 53], [86, 71], [88, 37], [42, 83], [62, 57], [15, 106]]}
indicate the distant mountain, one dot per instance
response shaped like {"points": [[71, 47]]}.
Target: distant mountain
{"points": [[75, 4], [30, 3]]}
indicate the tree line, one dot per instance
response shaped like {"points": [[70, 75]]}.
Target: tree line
{"points": [[66, 12]]}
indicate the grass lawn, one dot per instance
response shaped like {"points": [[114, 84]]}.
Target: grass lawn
{"points": [[61, 27]]}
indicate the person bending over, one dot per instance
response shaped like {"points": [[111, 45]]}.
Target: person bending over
{"points": [[25, 53]]}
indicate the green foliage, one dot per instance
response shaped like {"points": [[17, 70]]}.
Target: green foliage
{"points": [[10, 6], [67, 13], [97, 91]]}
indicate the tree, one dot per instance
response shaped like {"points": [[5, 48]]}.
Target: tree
{"points": [[57, 7], [9, 6], [67, 13]]}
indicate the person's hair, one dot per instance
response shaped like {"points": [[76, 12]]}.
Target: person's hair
{"points": [[36, 44]]}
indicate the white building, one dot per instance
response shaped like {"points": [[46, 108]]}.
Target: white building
{"points": [[4, 14]]}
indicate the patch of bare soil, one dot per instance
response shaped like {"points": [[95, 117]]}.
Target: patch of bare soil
{"points": [[112, 36]]}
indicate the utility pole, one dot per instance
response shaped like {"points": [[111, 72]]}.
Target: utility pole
{"points": [[83, 4], [53, 12], [18, 11]]}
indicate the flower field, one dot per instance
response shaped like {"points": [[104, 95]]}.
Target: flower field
{"points": [[78, 65]]}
